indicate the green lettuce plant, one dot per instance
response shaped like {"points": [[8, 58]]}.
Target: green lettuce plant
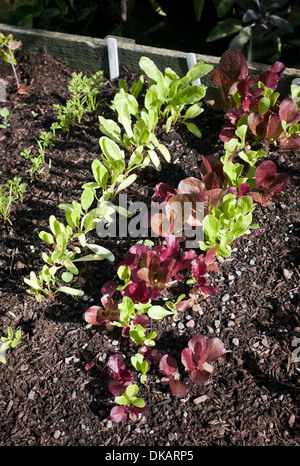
{"points": [[227, 223], [174, 99], [134, 130]]}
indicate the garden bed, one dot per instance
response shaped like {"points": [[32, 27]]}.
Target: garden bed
{"points": [[48, 397]]}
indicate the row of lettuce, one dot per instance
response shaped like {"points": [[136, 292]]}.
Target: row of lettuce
{"points": [[229, 189]]}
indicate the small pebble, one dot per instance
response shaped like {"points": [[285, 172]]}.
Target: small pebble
{"points": [[225, 298], [190, 323], [217, 323], [236, 341], [171, 436], [109, 424], [56, 434], [230, 323], [180, 325]]}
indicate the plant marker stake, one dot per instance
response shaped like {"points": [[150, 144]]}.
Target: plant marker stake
{"points": [[2, 91], [113, 60], [191, 61]]}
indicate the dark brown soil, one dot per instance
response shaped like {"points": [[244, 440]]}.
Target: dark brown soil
{"points": [[47, 397]]}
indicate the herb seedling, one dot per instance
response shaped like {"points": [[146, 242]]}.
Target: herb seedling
{"points": [[11, 193]]}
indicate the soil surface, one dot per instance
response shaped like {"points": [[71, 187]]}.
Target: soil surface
{"points": [[47, 397]]}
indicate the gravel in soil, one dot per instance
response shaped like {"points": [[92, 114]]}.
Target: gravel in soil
{"points": [[47, 397]]}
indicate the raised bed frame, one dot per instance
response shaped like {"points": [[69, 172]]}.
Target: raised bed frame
{"points": [[91, 54]]}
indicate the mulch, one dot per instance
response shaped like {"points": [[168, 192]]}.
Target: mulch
{"points": [[47, 397]]}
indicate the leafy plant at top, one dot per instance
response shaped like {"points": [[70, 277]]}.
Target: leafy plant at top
{"points": [[254, 14], [197, 356], [175, 99], [136, 133], [8, 47], [254, 103]]}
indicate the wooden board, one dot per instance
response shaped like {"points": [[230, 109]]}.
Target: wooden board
{"points": [[90, 54]]}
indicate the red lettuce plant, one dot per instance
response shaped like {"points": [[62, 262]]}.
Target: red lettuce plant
{"points": [[197, 356], [254, 102], [193, 199], [124, 391], [268, 182], [154, 269], [97, 315], [168, 366]]}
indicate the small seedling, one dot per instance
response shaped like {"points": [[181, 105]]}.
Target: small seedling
{"points": [[10, 341], [8, 47], [6, 116]]}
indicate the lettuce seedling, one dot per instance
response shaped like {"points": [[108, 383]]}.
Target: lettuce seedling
{"points": [[227, 223], [136, 133], [131, 405], [11, 341], [192, 200], [197, 356], [173, 99], [168, 366], [268, 182]]}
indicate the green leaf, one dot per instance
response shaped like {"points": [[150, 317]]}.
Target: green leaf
{"points": [[263, 105], [71, 291], [241, 39], [138, 402], [101, 251], [67, 276], [224, 28], [150, 69], [211, 227], [193, 129], [224, 7], [198, 8], [70, 266], [127, 182], [100, 173], [87, 198], [61, 241], [132, 390], [158, 312], [46, 237]]}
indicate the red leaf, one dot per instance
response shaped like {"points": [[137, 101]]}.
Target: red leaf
{"points": [[215, 349], [200, 377], [187, 359], [168, 365], [178, 388], [265, 173], [233, 64], [118, 414], [288, 111]]}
